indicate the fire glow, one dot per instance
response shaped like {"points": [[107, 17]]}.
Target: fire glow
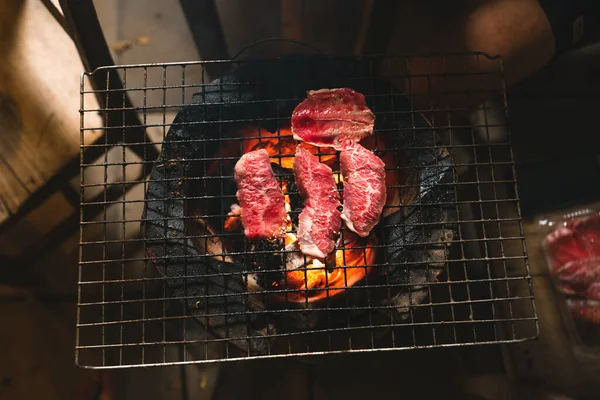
{"points": [[313, 280]]}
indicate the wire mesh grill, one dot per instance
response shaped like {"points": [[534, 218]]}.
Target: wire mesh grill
{"points": [[166, 275]]}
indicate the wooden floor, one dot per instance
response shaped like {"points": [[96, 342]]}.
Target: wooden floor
{"points": [[39, 101]]}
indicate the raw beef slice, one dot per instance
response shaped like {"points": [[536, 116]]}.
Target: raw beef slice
{"points": [[364, 189], [320, 220], [573, 252], [260, 197], [332, 117]]}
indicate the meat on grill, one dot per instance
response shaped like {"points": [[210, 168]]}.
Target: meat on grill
{"points": [[364, 189], [260, 197], [320, 220], [573, 252], [332, 118]]}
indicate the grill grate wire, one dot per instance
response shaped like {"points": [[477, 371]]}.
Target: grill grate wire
{"points": [[131, 313]]}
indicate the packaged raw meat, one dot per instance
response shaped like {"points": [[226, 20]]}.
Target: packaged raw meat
{"points": [[573, 253], [572, 249]]}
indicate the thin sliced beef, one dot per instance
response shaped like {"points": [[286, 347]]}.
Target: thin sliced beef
{"points": [[584, 310], [260, 197], [573, 252], [580, 277], [332, 117], [364, 189], [320, 220]]}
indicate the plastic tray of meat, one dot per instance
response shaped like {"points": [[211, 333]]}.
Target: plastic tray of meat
{"points": [[572, 250]]}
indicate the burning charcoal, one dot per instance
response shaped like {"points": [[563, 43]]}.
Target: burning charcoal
{"points": [[294, 259], [298, 321], [265, 258], [330, 262], [316, 282], [287, 176], [403, 230], [214, 292], [284, 174], [221, 309], [263, 254], [233, 221], [421, 224], [220, 295]]}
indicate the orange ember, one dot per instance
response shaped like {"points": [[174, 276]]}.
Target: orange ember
{"points": [[315, 282], [282, 146], [233, 222]]}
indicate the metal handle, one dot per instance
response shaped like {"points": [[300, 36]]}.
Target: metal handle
{"points": [[276, 39]]}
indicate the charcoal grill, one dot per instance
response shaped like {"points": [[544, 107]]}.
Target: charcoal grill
{"points": [[165, 279]]}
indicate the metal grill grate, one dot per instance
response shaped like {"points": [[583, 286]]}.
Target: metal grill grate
{"points": [[163, 280]]}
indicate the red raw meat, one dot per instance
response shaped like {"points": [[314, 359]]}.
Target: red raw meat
{"points": [[364, 189], [573, 252], [581, 277], [333, 118], [584, 310], [260, 197], [320, 220]]}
